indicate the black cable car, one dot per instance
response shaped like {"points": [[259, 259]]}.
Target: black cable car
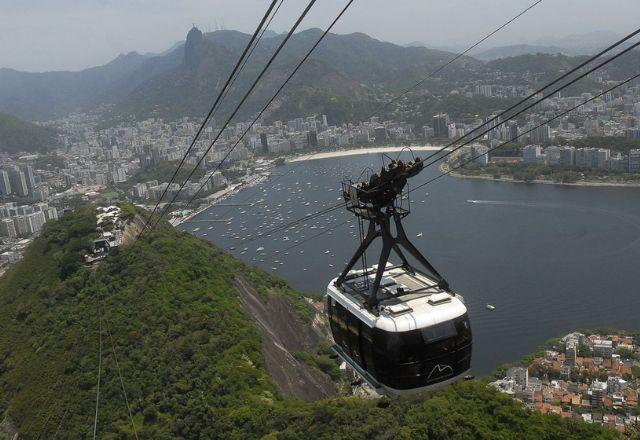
{"points": [[401, 330]]}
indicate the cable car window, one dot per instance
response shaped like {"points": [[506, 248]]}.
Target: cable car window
{"points": [[353, 333], [366, 345], [344, 316], [464, 331], [438, 332], [440, 348], [337, 323]]}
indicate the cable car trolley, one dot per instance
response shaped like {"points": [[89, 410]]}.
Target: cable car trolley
{"points": [[400, 329]]}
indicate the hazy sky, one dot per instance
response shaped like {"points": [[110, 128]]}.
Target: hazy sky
{"points": [[37, 35]]}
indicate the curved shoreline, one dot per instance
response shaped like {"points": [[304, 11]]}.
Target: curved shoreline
{"points": [[357, 151]]}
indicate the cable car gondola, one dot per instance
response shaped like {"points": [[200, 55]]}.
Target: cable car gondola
{"points": [[401, 330]]}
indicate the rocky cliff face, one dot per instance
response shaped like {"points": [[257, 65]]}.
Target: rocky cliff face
{"points": [[193, 48], [283, 334]]}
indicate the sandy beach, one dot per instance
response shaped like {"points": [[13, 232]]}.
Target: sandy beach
{"points": [[356, 151]]}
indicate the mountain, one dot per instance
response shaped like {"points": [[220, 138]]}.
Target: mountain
{"points": [[269, 34], [572, 45], [345, 78], [351, 67], [201, 346], [17, 136], [581, 44], [38, 96], [347, 68], [516, 50]]}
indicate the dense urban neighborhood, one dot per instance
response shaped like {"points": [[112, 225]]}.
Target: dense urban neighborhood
{"points": [[593, 377], [134, 161]]}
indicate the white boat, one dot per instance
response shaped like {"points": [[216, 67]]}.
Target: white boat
{"points": [[419, 235], [491, 307]]}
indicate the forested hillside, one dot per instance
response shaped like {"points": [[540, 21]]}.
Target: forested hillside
{"points": [[188, 355], [17, 135]]}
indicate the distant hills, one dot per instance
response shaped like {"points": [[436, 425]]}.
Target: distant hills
{"points": [[345, 77], [516, 50], [573, 45], [349, 67], [17, 135], [41, 96], [341, 78]]}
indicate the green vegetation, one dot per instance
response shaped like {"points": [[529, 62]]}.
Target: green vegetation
{"points": [[128, 212], [544, 68], [511, 149], [529, 173], [322, 360], [616, 144], [18, 136], [190, 357], [162, 172], [500, 371], [540, 63], [608, 331], [49, 162], [460, 106]]}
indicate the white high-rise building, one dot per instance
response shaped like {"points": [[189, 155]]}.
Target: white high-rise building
{"points": [[552, 155], [602, 158], [540, 134], [480, 154], [18, 182], [567, 156], [634, 161], [5, 185], [570, 354], [7, 228], [35, 221], [585, 157], [532, 154], [51, 213], [20, 223]]}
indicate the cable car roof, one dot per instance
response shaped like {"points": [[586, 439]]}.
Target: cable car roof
{"points": [[407, 301]]}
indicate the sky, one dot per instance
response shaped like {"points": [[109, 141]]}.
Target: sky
{"points": [[43, 35]]}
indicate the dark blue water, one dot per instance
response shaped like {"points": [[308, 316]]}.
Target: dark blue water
{"points": [[550, 258]]}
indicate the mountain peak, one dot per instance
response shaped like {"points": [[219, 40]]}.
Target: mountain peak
{"points": [[193, 48]]}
